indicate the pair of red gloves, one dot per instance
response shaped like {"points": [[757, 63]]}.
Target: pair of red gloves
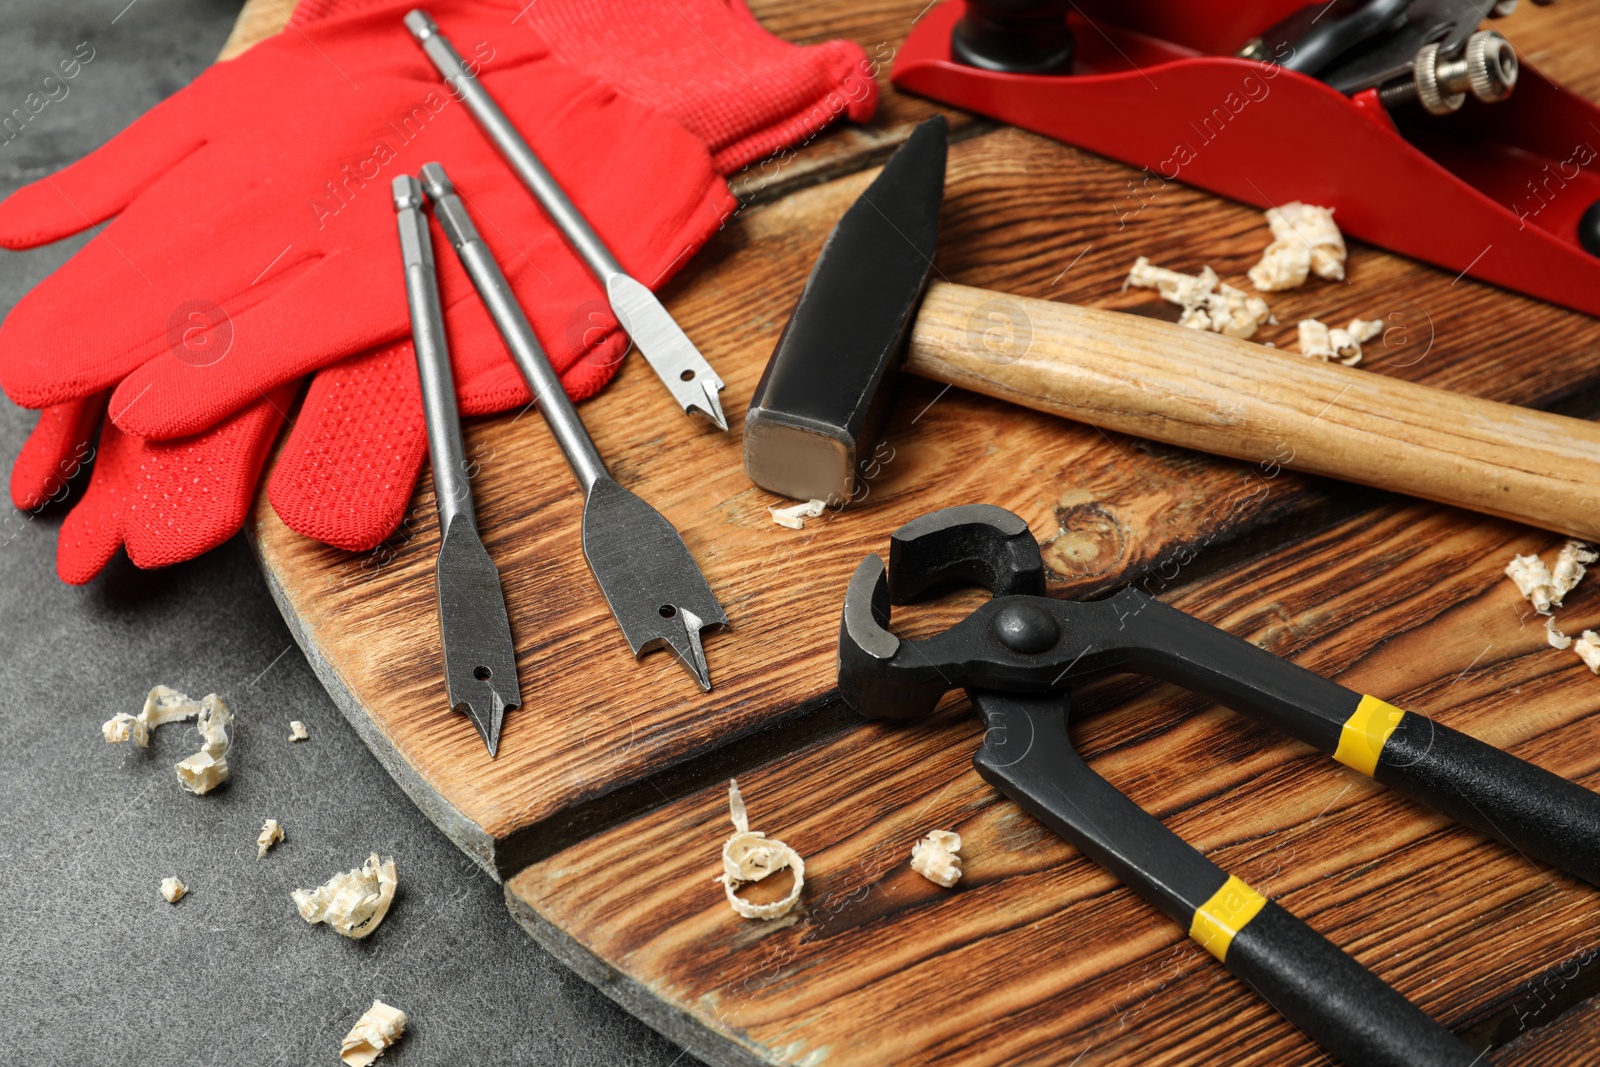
{"points": [[252, 244]]}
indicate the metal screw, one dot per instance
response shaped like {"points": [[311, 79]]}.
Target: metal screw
{"points": [[1486, 67]]}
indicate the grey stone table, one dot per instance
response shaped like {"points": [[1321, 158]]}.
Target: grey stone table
{"points": [[95, 967]]}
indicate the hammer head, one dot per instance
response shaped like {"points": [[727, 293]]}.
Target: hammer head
{"points": [[821, 403]]}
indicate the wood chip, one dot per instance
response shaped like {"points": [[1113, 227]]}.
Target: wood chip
{"points": [[372, 1034], [173, 889], [1208, 303], [1306, 241], [297, 731], [352, 903], [794, 518], [271, 834], [1587, 646], [934, 857]]}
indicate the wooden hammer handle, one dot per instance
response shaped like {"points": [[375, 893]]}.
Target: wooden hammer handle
{"points": [[1237, 398]]}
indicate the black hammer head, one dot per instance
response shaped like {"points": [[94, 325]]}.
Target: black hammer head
{"points": [[821, 403]]}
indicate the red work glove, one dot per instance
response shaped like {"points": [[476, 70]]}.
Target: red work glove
{"points": [[349, 467]]}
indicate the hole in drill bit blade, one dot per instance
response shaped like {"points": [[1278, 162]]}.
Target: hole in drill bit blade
{"points": [[482, 674], [686, 376], [668, 611]]}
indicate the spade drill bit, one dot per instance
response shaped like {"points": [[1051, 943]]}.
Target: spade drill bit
{"points": [[668, 350], [480, 663], [658, 595]]}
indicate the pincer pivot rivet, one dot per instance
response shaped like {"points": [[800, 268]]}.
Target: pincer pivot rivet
{"points": [[1026, 628]]}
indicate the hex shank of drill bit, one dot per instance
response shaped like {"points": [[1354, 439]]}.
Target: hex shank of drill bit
{"points": [[515, 329], [445, 444], [691, 380]]}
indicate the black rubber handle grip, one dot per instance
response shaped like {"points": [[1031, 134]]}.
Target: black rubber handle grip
{"points": [[1536, 812], [1334, 1000]]}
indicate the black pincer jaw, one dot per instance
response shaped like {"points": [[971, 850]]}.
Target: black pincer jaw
{"points": [[974, 544], [871, 679]]}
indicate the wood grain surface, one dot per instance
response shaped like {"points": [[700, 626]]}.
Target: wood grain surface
{"points": [[1038, 957]]}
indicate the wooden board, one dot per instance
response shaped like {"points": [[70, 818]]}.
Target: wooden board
{"points": [[608, 759]]}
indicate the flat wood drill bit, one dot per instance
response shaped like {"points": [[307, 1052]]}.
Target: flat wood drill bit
{"points": [[655, 590], [677, 362], [480, 661]]}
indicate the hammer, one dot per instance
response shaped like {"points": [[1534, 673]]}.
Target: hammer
{"points": [[867, 310]]}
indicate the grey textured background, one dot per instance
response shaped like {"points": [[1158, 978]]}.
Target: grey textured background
{"points": [[95, 968]]}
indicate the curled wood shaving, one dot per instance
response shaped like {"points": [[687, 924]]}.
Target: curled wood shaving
{"points": [[1208, 303], [1341, 345], [1556, 638], [352, 903], [1587, 647], [297, 731], [201, 772], [934, 857], [748, 856], [208, 768], [162, 706], [173, 889], [1569, 568], [794, 518], [1306, 241], [1543, 588], [271, 834], [374, 1032]]}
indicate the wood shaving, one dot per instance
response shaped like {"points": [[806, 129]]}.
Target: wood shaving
{"points": [[208, 768], [934, 857], [173, 889], [748, 856], [297, 731], [1569, 568], [1588, 649], [1208, 302], [1543, 588], [1556, 638], [794, 518], [201, 772], [1340, 345], [373, 1033], [271, 834], [162, 706], [352, 903], [1306, 241]]}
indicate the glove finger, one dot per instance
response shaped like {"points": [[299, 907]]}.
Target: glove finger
{"points": [[102, 183], [61, 442], [193, 494], [168, 501], [349, 465], [178, 394], [92, 531]]}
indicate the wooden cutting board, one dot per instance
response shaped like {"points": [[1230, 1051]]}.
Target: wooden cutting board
{"points": [[605, 811]]}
